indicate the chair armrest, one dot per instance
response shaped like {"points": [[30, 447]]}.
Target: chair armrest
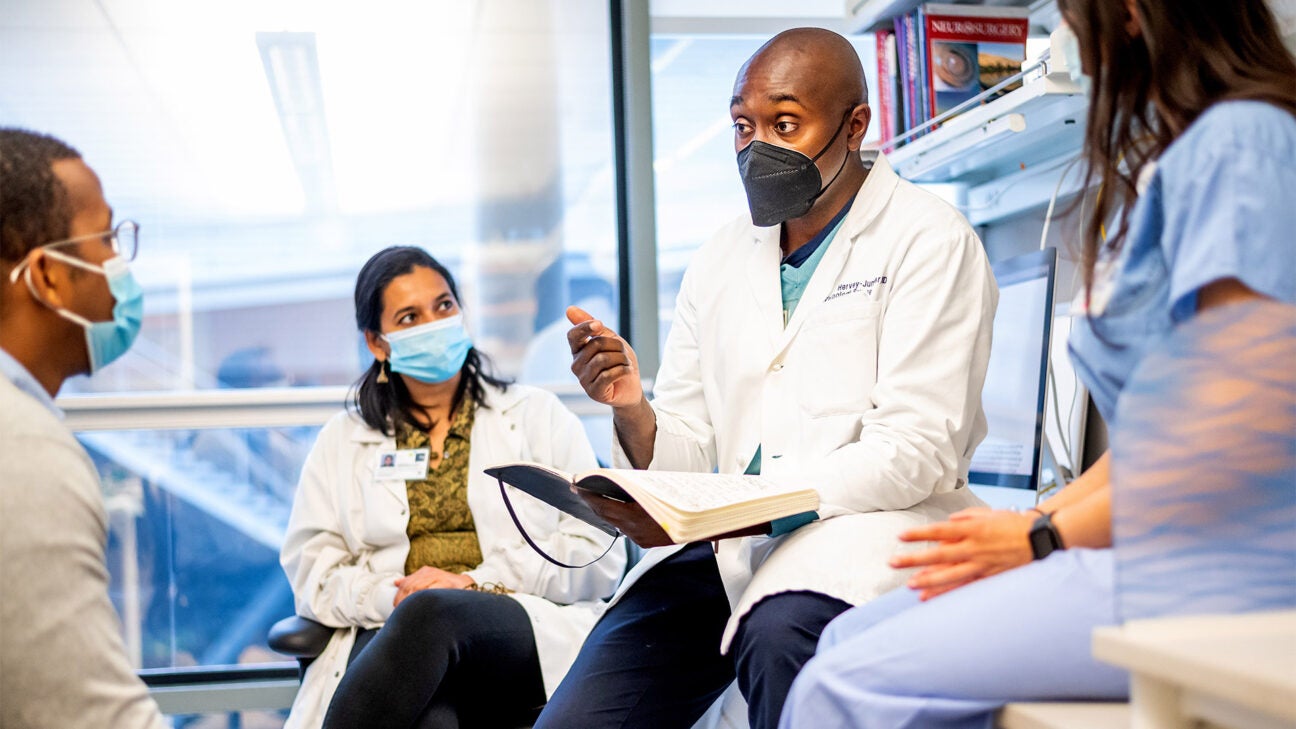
{"points": [[299, 637]]}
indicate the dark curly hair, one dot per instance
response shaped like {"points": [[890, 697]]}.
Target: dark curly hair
{"points": [[383, 406], [34, 207]]}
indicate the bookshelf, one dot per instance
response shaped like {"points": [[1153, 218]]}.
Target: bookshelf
{"points": [[1002, 156], [863, 16]]}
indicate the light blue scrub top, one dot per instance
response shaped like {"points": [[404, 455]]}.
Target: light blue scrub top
{"points": [[1220, 204], [794, 275], [13, 371]]}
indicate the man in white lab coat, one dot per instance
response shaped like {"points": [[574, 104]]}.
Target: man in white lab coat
{"points": [[836, 338]]}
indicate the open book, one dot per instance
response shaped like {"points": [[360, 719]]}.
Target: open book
{"points": [[688, 506]]}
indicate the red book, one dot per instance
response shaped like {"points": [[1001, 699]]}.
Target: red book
{"points": [[970, 48], [886, 75]]}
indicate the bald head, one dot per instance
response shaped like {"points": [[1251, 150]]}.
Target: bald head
{"points": [[818, 68]]}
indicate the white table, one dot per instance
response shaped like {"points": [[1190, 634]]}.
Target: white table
{"points": [[1228, 670], [1054, 715]]}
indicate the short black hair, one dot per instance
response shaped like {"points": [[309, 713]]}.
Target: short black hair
{"points": [[34, 206], [383, 406]]}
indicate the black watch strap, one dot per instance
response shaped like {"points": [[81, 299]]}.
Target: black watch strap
{"points": [[1044, 537]]}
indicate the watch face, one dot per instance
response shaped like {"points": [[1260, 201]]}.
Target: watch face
{"points": [[1040, 544], [1043, 538]]}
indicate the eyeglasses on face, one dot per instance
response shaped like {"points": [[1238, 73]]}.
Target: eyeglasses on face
{"points": [[124, 239]]}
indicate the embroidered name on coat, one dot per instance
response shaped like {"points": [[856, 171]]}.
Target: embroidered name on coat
{"points": [[855, 287]]}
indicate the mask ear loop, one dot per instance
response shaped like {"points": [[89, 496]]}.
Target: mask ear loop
{"points": [[832, 139], [66, 313], [840, 167], [518, 523], [25, 269], [13, 275]]}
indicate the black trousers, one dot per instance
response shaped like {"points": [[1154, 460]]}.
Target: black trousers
{"points": [[654, 661], [445, 659]]}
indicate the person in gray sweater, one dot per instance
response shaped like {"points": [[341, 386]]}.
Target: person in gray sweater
{"points": [[68, 306]]}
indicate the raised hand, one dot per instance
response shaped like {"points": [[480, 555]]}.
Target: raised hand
{"points": [[603, 362]]}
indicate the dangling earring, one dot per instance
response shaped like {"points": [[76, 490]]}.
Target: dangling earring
{"points": [[382, 372]]}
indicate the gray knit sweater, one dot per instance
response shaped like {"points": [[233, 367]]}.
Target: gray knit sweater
{"points": [[62, 662]]}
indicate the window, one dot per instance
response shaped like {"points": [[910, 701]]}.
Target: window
{"points": [[196, 519], [268, 149]]}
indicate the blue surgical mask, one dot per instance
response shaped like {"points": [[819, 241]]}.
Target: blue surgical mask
{"points": [[432, 352], [106, 341]]}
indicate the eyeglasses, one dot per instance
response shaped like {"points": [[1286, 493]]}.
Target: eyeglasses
{"points": [[124, 239]]}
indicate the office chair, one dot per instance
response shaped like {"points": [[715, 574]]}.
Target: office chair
{"points": [[301, 638]]}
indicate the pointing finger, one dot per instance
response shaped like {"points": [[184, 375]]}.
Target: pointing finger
{"points": [[577, 315]]}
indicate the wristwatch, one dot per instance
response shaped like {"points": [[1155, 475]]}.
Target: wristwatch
{"points": [[1044, 537]]}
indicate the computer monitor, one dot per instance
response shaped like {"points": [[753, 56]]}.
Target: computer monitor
{"points": [[1013, 397]]}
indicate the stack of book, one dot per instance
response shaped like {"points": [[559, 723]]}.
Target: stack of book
{"points": [[938, 57]]}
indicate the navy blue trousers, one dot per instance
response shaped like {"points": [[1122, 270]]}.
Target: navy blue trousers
{"points": [[654, 661]]}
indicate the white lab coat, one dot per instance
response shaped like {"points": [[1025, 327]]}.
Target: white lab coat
{"points": [[347, 543], [871, 394]]}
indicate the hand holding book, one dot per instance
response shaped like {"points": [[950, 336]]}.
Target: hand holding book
{"points": [[656, 508], [635, 523], [638, 525]]}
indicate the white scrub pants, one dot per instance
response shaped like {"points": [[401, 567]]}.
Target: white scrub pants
{"points": [[1023, 635]]}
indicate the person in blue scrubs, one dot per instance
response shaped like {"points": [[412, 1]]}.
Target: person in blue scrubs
{"points": [[1192, 137]]}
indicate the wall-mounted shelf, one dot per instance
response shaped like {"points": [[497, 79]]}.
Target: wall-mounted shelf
{"points": [[1004, 157], [1038, 122]]}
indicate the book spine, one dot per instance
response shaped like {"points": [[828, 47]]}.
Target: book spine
{"points": [[924, 68], [913, 108], [929, 86], [902, 66], [885, 103], [893, 75]]}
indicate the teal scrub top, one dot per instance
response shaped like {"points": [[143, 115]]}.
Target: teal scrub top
{"points": [[795, 272]]}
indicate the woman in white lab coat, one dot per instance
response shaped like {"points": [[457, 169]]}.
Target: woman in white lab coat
{"points": [[444, 615]]}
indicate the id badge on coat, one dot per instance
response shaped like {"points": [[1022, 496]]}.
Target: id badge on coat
{"points": [[402, 465]]}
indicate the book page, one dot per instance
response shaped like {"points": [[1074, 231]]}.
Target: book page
{"points": [[702, 491]]}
